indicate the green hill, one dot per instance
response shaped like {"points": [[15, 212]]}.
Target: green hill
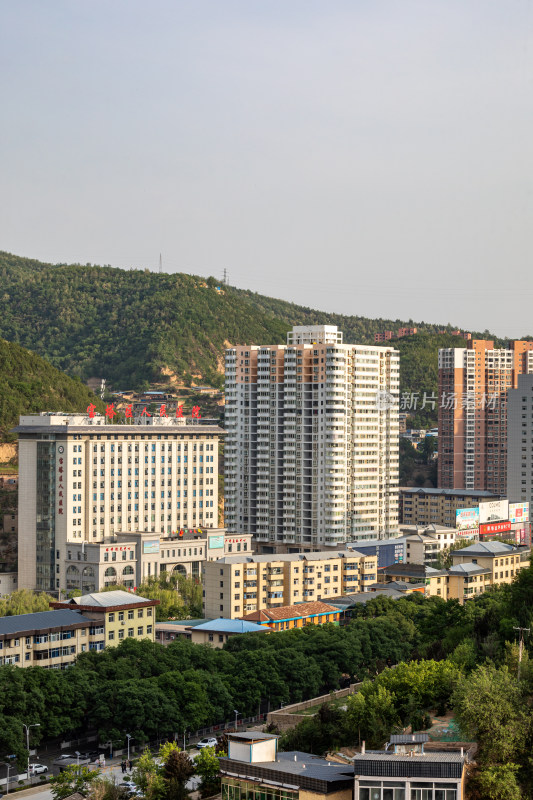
{"points": [[29, 384], [137, 327]]}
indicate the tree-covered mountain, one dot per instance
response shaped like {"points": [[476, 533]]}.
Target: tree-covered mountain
{"points": [[29, 384], [136, 327]]}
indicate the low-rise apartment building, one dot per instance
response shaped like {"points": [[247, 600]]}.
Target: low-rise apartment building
{"points": [[473, 571], [115, 616], [49, 639], [53, 639], [418, 545], [237, 585], [437, 506], [286, 617]]}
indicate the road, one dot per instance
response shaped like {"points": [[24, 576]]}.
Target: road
{"points": [[112, 770]]}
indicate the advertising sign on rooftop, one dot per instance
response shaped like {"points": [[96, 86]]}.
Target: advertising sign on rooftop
{"points": [[493, 511], [518, 512], [494, 528], [467, 519]]}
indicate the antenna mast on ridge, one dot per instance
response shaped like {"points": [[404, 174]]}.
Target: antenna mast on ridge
{"points": [[225, 278], [160, 264]]}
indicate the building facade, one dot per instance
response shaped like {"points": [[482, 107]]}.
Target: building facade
{"points": [[256, 770], [130, 559], [54, 639], [438, 506], [115, 616], [473, 386], [311, 455], [237, 585], [287, 617], [520, 441], [82, 480]]}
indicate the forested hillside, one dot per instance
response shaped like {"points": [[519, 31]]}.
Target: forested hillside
{"points": [[135, 327], [29, 384]]}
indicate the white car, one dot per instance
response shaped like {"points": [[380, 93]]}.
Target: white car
{"points": [[209, 741], [36, 769]]}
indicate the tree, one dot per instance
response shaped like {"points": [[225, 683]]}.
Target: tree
{"points": [[489, 706], [24, 601], [147, 776], [498, 782], [71, 780], [177, 770], [207, 766]]}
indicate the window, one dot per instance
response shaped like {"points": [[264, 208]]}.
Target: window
{"points": [[140, 630], [131, 613], [130, 631], [111, 617], [121, 616], [111, 635]]}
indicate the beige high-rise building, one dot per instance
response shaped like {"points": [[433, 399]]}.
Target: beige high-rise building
{"points": [[311, 455], [82, 480]]}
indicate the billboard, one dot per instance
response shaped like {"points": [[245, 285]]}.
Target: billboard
{"points": [[467, 519], [215, 541], [494, 528], [151, 548], [493, 511], [518, 512]]}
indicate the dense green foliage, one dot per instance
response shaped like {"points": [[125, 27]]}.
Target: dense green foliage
{"points": [[127, 326], [29, 384], [447, 656], [467, 664], [152, 691], [24, 601]]}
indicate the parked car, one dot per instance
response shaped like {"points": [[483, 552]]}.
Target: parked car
{"points": [[63, 756], [36, 769], [129, 784], [208, 741]]}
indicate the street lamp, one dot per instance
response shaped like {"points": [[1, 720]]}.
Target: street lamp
{"points": [[128, 737], [236, 714], [78, 754], [27, 729], [8, 765]]}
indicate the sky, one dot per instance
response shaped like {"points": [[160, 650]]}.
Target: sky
{"points": [[356, 156]]}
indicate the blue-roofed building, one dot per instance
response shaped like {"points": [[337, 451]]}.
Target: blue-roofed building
{"points": [[214, 632]]}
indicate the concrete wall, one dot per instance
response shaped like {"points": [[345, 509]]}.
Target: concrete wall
{"points": [[288, 717]]}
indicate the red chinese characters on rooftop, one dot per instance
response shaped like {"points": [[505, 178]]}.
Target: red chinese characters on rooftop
{"points": [[111, 412]]}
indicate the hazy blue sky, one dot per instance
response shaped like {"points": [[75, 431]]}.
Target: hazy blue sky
{"points": [[363, 157]]}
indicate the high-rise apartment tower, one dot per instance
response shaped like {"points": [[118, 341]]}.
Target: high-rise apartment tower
{"points": [[311, 454], [473, 386]]}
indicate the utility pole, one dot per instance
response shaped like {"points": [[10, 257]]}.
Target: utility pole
{"points": [[521, 645]]}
